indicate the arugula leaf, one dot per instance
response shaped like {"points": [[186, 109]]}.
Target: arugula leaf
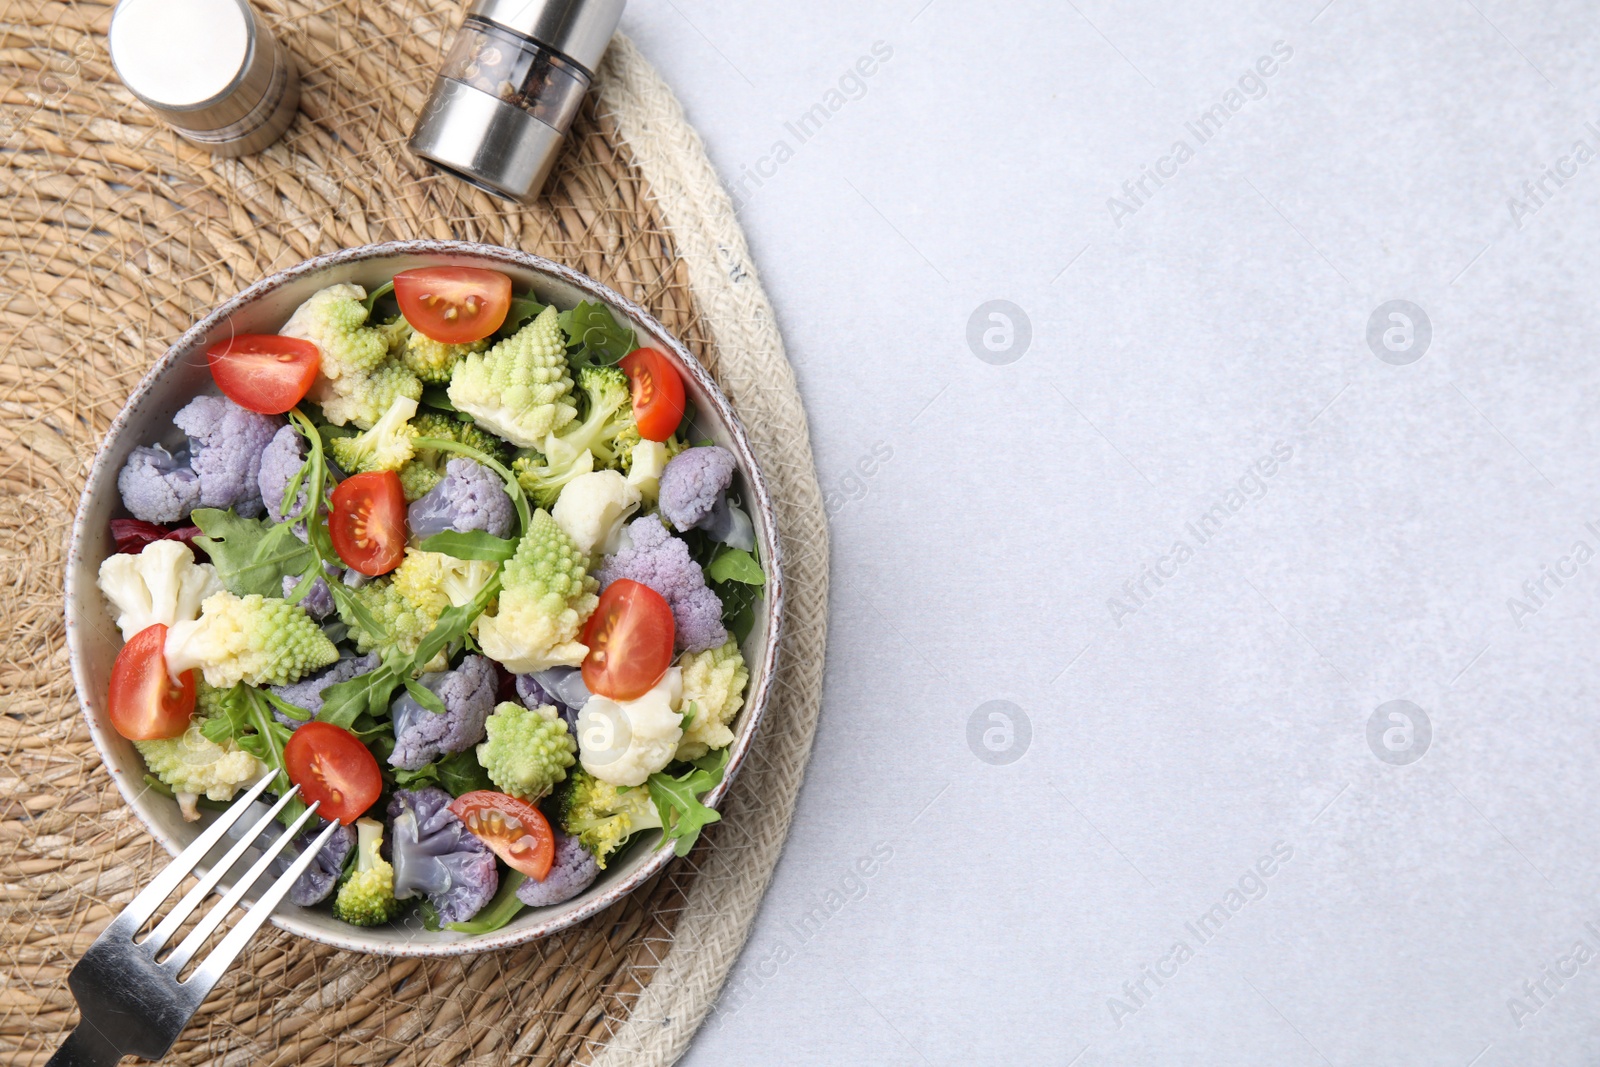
{"points": [[438, 398], [678, 799], [599, 339], [369, 693], [522, 311], [735, 565], [232, 722], [475, 544], [378, 294], [456, 774], [251, 555], [266, 744], [691, 711], [499, 911], [453, 624], [738, 607], [426, 697]]}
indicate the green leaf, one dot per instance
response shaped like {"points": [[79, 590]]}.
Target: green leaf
{"points": [[294, 711], [457, 774], [599, 338], [251, 555], [378, 294], [369, 693], [499, 911], [453, 624], [523, 310], [438, 398], [736, 565], [426, 697], [475, 544], [691, 711], [738, 607], [678, 799], [233, 720]]}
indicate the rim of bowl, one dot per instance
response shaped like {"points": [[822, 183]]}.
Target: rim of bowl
{"points": [[771, 547]]}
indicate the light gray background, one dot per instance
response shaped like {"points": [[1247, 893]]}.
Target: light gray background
{"points": [[1228, 712]]}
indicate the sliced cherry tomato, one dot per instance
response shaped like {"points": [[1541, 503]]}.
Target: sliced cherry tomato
{"points": [[630, 641], [329, 764], [144, 703], [516, 830], [263, 371], [657, 393], [455, 305], [368, 522]]}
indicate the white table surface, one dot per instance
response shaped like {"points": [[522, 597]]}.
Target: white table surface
{"points": [[1176, 740]]}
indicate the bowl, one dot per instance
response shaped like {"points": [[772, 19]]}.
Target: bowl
{"points": [[181, 374]]}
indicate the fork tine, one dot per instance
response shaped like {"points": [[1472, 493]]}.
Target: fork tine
{"points": [[191, 900], [144, 905], [219, 911], [206, 975]]}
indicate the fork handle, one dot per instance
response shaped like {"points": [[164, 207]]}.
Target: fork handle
{"points": [[85, 1047]]}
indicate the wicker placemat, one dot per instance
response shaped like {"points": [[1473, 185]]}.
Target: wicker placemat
{"points": [[114, 236]]}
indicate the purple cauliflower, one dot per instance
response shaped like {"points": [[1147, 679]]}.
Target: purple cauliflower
{"points": [[692, 483], [422, 736], [225, 446], [307, 692], [559, 687], [436, 856], [314, 886], [573, 871], [318, 600], [469, 497], [157, 486], [282, 459], [657, 559]]}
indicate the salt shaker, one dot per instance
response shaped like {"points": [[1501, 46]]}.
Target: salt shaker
{"points": [[510, 88], [209, 69]]}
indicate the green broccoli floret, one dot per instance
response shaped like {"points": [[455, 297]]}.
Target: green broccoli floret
{"points": [[546, 595], [384, 447], [193, 766], [597, 440], [519, 388], [255, 639], [356, 381], [432, 361], [366, 898], [528, 750], [602, 816], [426, 468]]}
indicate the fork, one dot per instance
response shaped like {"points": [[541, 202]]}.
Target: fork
{"points": [[133, 1003]]}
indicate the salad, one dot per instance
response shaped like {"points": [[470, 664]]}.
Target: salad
{"points": [[451, 561]]}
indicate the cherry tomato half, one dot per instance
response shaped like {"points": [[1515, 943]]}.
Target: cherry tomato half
{"points": [[630, 641], [144, 703], [657, 393], [368, 522], [264, 372], [329, 764], [516, 830], [455, 305]]}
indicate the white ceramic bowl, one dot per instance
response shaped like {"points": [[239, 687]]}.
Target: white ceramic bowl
{"points": [[93, 640]]}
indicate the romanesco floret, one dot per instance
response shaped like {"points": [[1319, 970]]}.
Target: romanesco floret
{"points": [[518, 389], [194, 766], [362, 400], [384, 447], [585, 445], [432, 361], [528, 749], [334, 319], [367, 897], [408, 601], [427, 467], [546, 596], [713, 689], [602, 816], [255, 639]]}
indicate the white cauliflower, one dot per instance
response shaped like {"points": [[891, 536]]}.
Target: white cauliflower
{"points": [[592, 508], [713, 689], [624, 742], [162, 584], [644, 471]]}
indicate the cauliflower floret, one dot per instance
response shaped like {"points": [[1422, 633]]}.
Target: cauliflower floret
{"points": [[713, 688], [644, 462], [657, 559], [626, 741], [469, 497], [427, 467], [573, 870], [593, 508], [546, 596], [384, 447], [161, 584], [225, 447], [157, 486], [436, 856], [519, 388], [421, 736], [283, 458], [528, 749], [255, 639], [192, 766], [692, 483]]}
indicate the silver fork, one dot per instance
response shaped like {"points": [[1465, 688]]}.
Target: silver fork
{"points": [[131, 1002]]}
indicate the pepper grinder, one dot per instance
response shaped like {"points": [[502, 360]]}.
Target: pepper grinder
{"points": [[510, 88], [209, 69]]}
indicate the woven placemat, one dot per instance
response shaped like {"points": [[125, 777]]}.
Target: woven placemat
{"points": [[115, 235]]}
